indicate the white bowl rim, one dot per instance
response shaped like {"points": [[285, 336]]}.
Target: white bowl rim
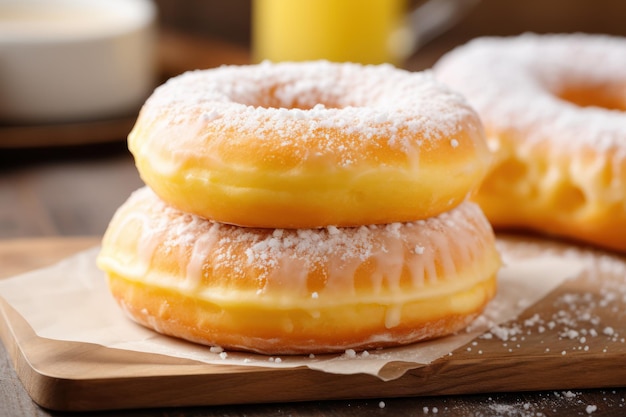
{"points": [[137, 14]]}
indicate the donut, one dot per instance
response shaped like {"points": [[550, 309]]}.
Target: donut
{"points": [[554, 111], [309, 144], [293, 291]]}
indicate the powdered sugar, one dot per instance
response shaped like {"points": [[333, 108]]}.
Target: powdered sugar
{"points": [[584, 316], [255, 260], [295, 104], [515, 84]]}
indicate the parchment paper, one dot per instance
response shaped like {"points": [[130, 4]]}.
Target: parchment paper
{"points": [[70, 301]]}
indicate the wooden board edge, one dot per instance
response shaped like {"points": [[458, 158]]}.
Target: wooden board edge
{"points": [[30, 379], [42, 365], [193, 384], [189, 383]]}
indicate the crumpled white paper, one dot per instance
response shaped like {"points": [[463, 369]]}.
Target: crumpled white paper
{"points": [[70, 301]]}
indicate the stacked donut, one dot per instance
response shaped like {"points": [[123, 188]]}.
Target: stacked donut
{"points": [[303, 208], [554, 109]]}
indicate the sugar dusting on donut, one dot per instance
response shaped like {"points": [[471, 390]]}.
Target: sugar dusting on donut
{"points": [[294, 105], [399, 257], [309, 144], [515, 83]]}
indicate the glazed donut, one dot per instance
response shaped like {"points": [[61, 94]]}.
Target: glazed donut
{"points": [[302, 145], [288, 291], [554, 111]]}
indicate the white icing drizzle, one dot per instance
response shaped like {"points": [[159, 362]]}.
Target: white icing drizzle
{"points": [[393, 316], [279, 261], [514, 84], [196, 263]]}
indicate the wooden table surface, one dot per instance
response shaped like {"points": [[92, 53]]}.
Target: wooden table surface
{"points": [[73, 191]]}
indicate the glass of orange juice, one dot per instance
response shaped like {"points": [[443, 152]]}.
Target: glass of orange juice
{"points": [[364, 31]]}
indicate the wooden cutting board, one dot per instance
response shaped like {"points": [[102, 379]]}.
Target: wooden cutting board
{"points": [[572, 339]]}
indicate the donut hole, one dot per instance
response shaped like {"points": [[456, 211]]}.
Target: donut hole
{"points": [[292, 96], [593, 96]]}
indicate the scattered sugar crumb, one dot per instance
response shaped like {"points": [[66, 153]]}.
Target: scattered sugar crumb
{"points": [[350, 353]]}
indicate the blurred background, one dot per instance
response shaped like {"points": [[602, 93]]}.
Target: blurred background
{"points": [[197, 34], [230, 21]]}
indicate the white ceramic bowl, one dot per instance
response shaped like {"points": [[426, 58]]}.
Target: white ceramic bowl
{"points": [[70, 60]]}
